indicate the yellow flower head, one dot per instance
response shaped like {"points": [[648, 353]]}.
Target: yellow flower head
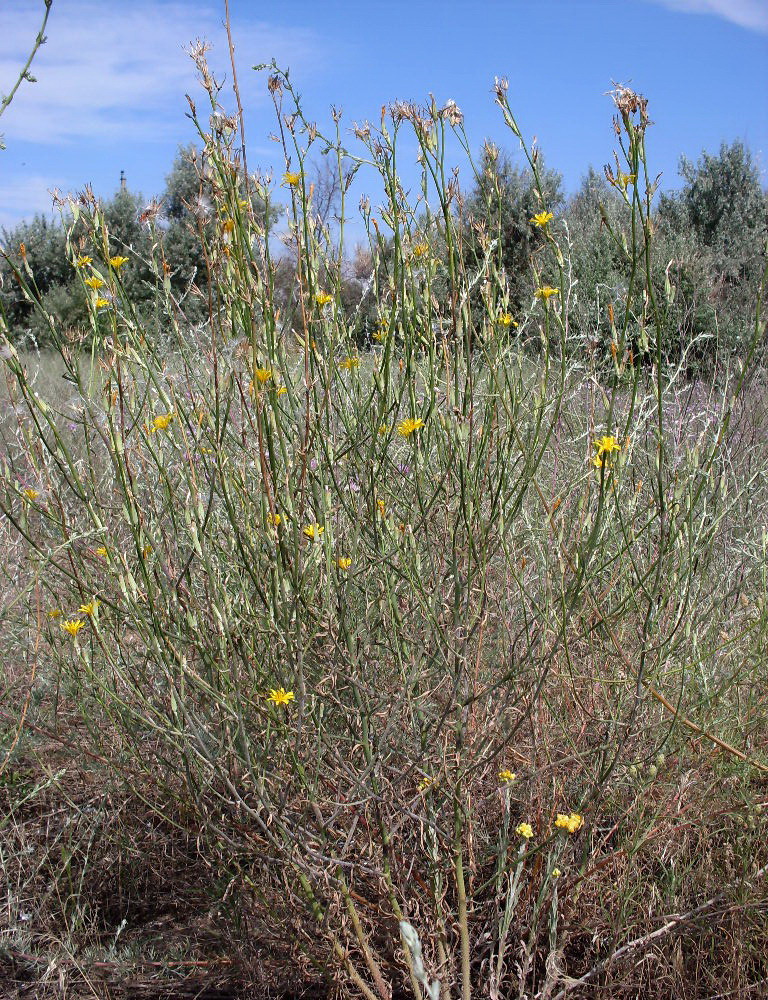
{"points": [[323, 298], [83, 261], [102, 551], [344, 562], [379, 335], [89, 608], [55, 613], [72, 626], [314, 530], [505, 319], [291, 179], [506, 776], [350, 363], [382, 507], [160, 423], [94, 282], [384, 429], [282, 390], [524, 830], [546, 292], [406, 427], [274, 519], [117, 262], [101, 302], [623, 180], [571, 822], [31, 494], [541, 219], [556, 873], [279, 696], [606, 445], [420, 249], [425, 783], [228, 225], [146, 551], [263, 374]]}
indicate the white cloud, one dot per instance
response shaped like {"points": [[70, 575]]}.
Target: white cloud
{"points": [[117, 70], [750, 14], [24, 197]]}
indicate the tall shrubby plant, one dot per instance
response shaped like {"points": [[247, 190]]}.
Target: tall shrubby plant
{"points": [[320, 605]]}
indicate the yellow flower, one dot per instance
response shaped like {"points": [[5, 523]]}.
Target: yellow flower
{"points": [[89, 608], [228, 225], [343, 562], [546, 292], [556, 873], [314, 530], [263, 374], [160, 423], [506, 776], [323, 298], [31, 494], [350, 363], [100, 302], [279, 696], [406, 427], [571, 822], [541, 219], [379, 335], [606, 445], [384, 429], [425, 783], [291, 179], [102, 551], [282, 390], [94, 282], [505, 319], [147, 550], [55, 613], [524, 830], [117, 262], [72, 626], [382, 507], [83, 261], [420, 249], [274, 519], [623, 180]]}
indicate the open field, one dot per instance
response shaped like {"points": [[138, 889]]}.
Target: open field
{"points": [[413, 647]]}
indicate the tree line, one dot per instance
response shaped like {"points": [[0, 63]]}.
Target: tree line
{"points": [[710, 242]]}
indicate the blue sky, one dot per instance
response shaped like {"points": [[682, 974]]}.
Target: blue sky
{"points": [[113, 75]]}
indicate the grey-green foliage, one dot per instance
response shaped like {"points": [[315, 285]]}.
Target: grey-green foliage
{"points": [[187, 208], [186, 211], [503, 201], [44, 245], [57, 284], [599, 262], [714, 232]]}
